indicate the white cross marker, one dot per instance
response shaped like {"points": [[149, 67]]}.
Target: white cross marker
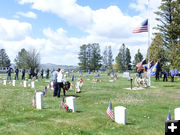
{"points": [[172, 127]]}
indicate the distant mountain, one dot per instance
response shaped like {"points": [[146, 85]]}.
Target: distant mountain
{"points": [[54, 66]]}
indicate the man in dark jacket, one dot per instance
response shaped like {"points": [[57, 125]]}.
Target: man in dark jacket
{"points": [[16, 73], [36, 73], [47, 73], [9, 73], [30, 72], [23, 73], [42, 72]]}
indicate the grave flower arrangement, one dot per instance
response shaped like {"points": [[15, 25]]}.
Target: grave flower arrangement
{"points": [[67, 108]]}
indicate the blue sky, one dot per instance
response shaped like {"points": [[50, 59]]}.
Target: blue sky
{"points": [[57, 28]]}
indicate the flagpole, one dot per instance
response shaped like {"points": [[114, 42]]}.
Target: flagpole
{"points": [[149, 76]]}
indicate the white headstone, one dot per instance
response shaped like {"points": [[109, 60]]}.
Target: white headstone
{"points": [[14, 82], [126, 74], [120, 115], [32, 85], [25, 84], [177, 114], [52, 86], [71, 102], [39, 100], [4, 82]]}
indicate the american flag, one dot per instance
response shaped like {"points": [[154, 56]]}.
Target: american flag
{"points": [[109, 111], [33, 101], [142, 28], [62, 103], [169, 116]]}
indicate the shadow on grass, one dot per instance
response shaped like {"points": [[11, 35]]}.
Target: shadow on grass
{"points": [[168, 85], [73, 95], [130, 123], [79, 111]]}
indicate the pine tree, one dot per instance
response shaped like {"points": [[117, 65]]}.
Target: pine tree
{"points": [[128, 59], [157, 51], [121, 58], [169, 28], [137, 58], [105, 59], [4, 59], [83, 57], [110, 58]]}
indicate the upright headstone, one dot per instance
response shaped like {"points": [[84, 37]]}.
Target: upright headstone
{"points": [[32, 84], [52, 86], [25, 84], [39, 100], [126, 75], [177, 114], [4, 82], [14, 82], [71, 102], [120, 115]]}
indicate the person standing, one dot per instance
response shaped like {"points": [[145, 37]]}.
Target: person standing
{"points": [[47, 73], [36, 73], [23, 74], [16, 73], [30, 72], [54, 79], [9, 73], [164, 76], [42, 72], [60, 80]]}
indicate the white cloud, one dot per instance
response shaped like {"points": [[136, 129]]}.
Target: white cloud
{"points": [[13, 29], [108, 26], [27, 14]]}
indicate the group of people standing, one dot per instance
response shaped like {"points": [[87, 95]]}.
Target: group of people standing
{"points": [[58, 79], [31, 73]]}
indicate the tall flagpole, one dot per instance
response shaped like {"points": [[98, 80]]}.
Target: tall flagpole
{"points": [[149, 75]]}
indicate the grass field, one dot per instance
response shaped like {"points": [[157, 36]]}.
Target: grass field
{"points": [[147, 109]]}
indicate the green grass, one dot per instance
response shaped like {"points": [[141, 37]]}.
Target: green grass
{"points": [[147, 109]]}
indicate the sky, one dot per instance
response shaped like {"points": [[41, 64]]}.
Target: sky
{"points": [[57, 28]]}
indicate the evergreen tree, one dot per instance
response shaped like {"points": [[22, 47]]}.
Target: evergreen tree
{"points": [[169, 28], [21, 59], [95, 62], [156, 50], [138, 57], [90, 57], [4, 59], [110, 58], [83, 58], [105, 59], [121, 58], [128, 59]]}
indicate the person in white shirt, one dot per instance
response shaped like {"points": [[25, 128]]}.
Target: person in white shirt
{"points": [[60, 80]]}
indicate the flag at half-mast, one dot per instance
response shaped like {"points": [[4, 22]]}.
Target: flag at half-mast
{"points": [[142, 28], [110, 111]]}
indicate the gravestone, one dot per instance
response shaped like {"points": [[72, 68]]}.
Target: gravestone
{"points": [[14, 82], [126, 75], [4, 82], [32, 84], [52, 86], [39, 100], [177, 114], [71, 103], [120, 115], [25, 84]]}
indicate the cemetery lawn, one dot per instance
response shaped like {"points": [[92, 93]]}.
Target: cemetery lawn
{"points": [[147, 109]]}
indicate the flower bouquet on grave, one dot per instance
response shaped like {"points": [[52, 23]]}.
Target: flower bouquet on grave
{"points": [[67, 109]]}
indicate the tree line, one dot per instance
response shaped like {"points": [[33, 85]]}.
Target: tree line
{"points": [[91, 59], [24, 59]]}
